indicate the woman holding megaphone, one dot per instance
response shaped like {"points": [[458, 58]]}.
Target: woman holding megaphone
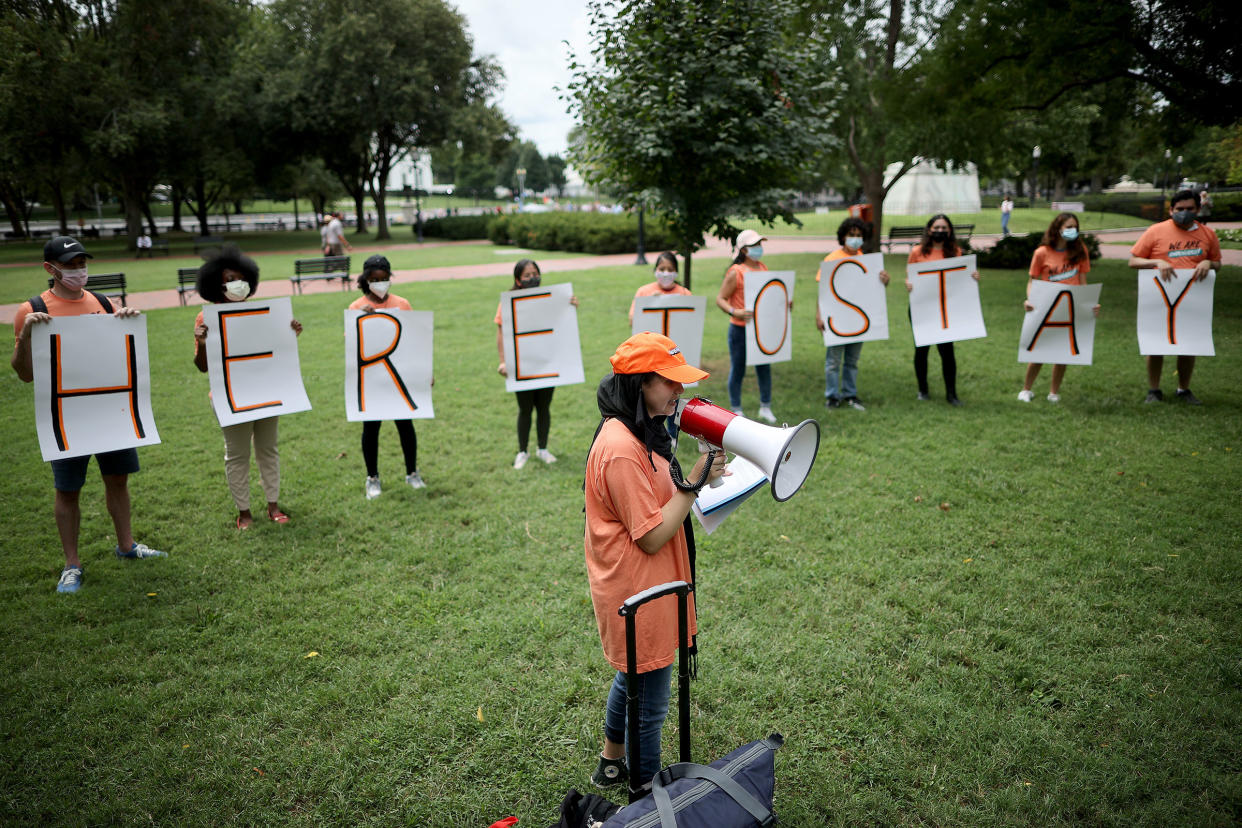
{"points": [[637, 535]]}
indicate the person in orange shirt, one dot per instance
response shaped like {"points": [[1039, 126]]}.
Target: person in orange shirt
{"points": [[228, 276], [374, 282], [1061, 258], [841, 361], [637, 535], [1179, 242], [526, 274], [939, 242], [665, 283], [732, 300], [64, 258]]}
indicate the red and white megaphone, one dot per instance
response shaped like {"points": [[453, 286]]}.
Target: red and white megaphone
{"points": [[785, 454]]}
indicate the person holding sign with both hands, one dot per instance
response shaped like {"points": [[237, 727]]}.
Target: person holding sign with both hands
{"points": [[841, 361], [732, 300], [229, 276]]}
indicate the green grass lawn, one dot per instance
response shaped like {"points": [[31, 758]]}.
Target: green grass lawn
{"points": [[1001, 614], [275, 253], [1025, 220]]}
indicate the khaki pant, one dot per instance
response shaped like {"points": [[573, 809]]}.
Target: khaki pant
{"points": [[237, 439]]}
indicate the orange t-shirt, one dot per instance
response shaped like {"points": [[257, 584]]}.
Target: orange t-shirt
{"points": [[654, 289], [839, 253], [738, 299], [390, 303], [624, 496], [1180, 248], [917, 255], [1051, 265], [56, 306]]}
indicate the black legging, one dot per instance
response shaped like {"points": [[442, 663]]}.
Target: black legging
{"points": [[948, 367], [370, 445], [540, 400]]}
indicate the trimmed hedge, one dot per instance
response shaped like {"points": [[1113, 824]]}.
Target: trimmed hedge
{"points": [[594, 233], [1226, 207], [1015, 252], [458, 228]]}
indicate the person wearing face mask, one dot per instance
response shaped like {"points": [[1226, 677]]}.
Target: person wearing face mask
{"points": [[1180, 242], [1061, 258], [638, 536], [228, 276], [374, 282], [665, 283], [732, 300], [841, 361], [526, 274], [64, 259], [939, 242]]}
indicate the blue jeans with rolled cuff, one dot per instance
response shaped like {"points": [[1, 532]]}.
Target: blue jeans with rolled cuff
{"points": [[653, 693], [841, 371]]}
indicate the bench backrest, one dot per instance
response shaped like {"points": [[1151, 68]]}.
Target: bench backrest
{"points": [[325, 264], [102, 282], [905, 232], [187, 275]]}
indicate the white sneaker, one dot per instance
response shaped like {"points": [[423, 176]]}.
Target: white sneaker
{"points": [[765, 414], [1025, 395], [738, 412], [1054, 398], [545, 455], [373, 487], [415, 480], [520, 460]]}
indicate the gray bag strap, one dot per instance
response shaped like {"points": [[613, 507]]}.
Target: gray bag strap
{"points": [[689, 770]]}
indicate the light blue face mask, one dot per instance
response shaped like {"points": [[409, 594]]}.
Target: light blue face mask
{"points": [[755, 252], [853, 242], [1069, 233]]}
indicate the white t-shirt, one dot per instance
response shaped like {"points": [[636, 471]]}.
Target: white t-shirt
{"points": [[1006, 206]]}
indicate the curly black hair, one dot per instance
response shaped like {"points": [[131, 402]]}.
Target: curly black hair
{"points": [[849, 224], [210, 284]]}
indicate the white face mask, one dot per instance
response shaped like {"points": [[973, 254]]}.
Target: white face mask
{"points": [[853, 242], [666, 279], [237, 290], [73, 279], [380, 289]]}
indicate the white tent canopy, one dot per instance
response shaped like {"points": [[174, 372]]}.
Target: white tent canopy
{"points": [[928, 189]]}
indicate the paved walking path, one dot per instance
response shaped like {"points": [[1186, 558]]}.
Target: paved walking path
{"points": [[716, 249]]}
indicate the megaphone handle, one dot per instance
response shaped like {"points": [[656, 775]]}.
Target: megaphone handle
{"points": [[703, 449]]}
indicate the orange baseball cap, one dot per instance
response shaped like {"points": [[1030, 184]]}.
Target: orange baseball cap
{"points": [[652, 352]]}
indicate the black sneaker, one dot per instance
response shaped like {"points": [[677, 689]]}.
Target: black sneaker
{"points": [[1154, 395], [954, 401], [924, 396], [610, 772], [832, 402], [855, 403], [1184, 395]]}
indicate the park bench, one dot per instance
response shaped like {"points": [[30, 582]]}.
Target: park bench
{"points": [[202, 243], [109, 284], [187, 282], [325, 267], [913, 235]]}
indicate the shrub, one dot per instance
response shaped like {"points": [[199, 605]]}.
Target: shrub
{"points": [[1015, 252], [459, 227], [1226, 207], [595, 233]]}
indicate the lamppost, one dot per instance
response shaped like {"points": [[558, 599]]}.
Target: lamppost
{"points": [[418, 204], [642, 239], [1035, 153], [521, 176], [1178, 185], [1164, 184]]}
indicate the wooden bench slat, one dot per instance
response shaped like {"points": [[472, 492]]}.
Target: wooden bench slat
{"points": [[323, 267]]}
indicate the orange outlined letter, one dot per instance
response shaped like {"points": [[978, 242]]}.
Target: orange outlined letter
{"points": [[832, 286], [1047, 323], [664, 312], [517, 361], [227, 359], [365, 362], [1172, 308], [944, 310], [59, 392], [785, 307]]}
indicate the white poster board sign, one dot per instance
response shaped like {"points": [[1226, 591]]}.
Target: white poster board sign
{"points": [[92, 385], [252, 360], [1061, 329], [769, 337], [680, 318], [852, 300], [539, 334], [1175, 317], [944, 303], [388, 364]]}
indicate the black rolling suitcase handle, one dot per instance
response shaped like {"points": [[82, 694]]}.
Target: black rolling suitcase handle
{"points": [[627, 611]]}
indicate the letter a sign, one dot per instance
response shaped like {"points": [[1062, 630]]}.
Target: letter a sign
{"points": [[388, 365], [92, 385]]}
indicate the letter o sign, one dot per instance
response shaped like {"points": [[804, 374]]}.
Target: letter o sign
{"points": [[771, 316]]}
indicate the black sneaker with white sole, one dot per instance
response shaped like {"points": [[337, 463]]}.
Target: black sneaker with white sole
{"points": [[610, 772]]}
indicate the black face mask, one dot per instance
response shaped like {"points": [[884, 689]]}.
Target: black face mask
{"points": [[939, 236], [1184, 217], [532, 282]]}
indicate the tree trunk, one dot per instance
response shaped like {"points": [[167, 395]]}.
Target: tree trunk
{"points": [[146, 211], [58, 200], [359, 212], [237, 207], [874, 191], [177, 195], [381, 215], [10, 209], [686, 251], [134, 196], [1058, 186]]}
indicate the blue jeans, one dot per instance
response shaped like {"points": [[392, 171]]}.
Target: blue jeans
{"points": [[847, 374], [737, 368], [653, 692], [1005, 224]]}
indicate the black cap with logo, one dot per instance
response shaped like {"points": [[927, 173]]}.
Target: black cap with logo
{"points": [[63, 248]]}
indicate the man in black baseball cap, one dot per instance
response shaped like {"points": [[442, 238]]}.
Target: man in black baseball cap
{"points": [[64, 258]]}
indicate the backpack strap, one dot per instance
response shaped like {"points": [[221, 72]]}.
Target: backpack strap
{"points": [[104, 301], [687, 770], [37, 305]]}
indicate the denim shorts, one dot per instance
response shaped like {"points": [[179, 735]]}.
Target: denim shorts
{"points": [[69, 475]]}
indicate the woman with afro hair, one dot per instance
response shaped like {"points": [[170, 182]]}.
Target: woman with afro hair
{"points": [[229, 276]]}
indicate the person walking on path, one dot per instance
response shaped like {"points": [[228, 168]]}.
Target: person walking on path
{"points": [[374, 282], [1181, 241], [334, 237], [1006, 209], [841, 361], [64, 258]]}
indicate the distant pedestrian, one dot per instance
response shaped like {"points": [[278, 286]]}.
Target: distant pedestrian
{"points": [[1205, 205], [1006, 211], [143, 243], [335, 236]]}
